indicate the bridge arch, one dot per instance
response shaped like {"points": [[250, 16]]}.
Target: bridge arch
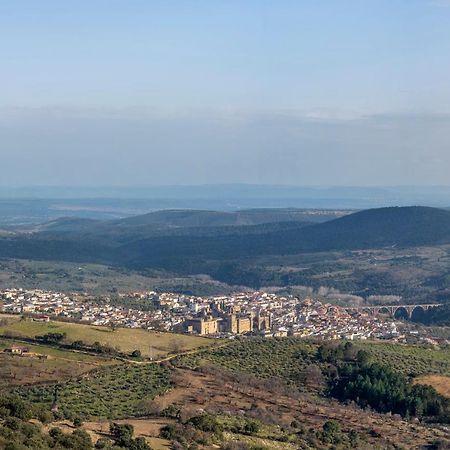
{"points": [[417, 312], [384, 310], [401, 313], [395, 311]]}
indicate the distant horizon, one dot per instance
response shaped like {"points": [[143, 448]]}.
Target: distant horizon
{"points": [[85, 200], [296, 93], [220, 184]]}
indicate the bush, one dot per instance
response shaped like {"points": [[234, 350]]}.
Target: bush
{"points": [[206, 422], [44, 416], [331, 432], [77, 422], [122, 434], [169, 432], [12, 405], [251, 427]]}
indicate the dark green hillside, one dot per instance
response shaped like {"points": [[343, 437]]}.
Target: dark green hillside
{"points": [[373, 228], [180, 223], [378, 228], [56, 249], [190, 218], [201, 218], [396, 226], [205, 249], [184, 218], [436, 316], [68, 224]]}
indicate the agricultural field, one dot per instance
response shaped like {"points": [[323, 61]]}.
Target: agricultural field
{"points": [[411, 360], [288, 358], [284, 420], [44, 364], [108, 393], [284, 358], [257, 390], [126, 340]]}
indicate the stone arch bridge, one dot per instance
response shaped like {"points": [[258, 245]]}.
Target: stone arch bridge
{"points": [[392, 309]]}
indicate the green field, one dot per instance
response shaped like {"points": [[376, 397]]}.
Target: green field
{"points": [[288, 358], [108, 393], [150, 343], [411, 360], [285, 358], [55, 353], [57, 364]]}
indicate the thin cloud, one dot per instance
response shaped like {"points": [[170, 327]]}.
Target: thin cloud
{"points": [[440, 3]]}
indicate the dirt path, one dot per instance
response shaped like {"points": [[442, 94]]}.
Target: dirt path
{"points": [[176, 355]]}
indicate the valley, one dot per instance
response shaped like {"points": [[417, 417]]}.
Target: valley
{"points": [[285, 368]]}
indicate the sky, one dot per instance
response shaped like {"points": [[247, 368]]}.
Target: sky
{"points": [[147, 92]]}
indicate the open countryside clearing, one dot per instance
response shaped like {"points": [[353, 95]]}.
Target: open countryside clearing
{"points": [[150, 343], [439, 382]]}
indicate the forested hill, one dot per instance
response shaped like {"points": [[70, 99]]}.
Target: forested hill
{"points": [[124, 245], [402, 226], [191, 218], [377, 228]]}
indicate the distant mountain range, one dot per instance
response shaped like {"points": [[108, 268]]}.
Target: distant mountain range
{"points": [[377, 228], [191, 218], [178, 239], [42, 204]]}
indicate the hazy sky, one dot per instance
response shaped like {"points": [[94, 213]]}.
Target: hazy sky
{"points": [[142, 92]]}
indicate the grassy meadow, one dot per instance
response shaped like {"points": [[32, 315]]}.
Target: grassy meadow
{"points": [[46, 364], [439, 382], [150, 343]]}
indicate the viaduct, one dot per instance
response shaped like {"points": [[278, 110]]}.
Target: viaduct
{"points": [[392, 309]]}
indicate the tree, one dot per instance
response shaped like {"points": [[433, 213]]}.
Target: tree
{"points": [[80, 440], [121, 433], [206, 422], [139, 444], [103, 443], [251, 427], [169, 432], [44, 416], [13, 405], [331, 432], [77, 422], [363, 358]]}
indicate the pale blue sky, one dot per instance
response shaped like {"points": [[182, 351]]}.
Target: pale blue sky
{"points": [[140, 92]]}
